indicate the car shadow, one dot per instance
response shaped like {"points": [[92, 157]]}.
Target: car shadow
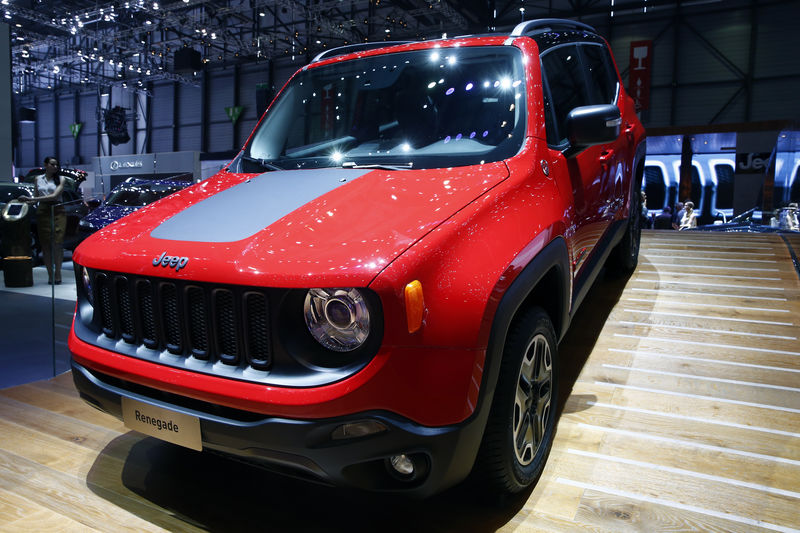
{"points": [[177, 489]]}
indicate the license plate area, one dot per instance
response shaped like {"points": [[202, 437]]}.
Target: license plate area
{"points": [[164, 424]]}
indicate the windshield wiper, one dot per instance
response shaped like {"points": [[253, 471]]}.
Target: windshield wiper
{"points": [[264, 163], [401, 166]]}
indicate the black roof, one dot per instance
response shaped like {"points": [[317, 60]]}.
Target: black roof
{"points": [[547, 33]]}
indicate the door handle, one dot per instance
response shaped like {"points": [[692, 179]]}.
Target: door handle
{"points": [[605, 157], [629, 130]]}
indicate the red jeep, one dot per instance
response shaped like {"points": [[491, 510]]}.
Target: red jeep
{"points": [[371, 294]]}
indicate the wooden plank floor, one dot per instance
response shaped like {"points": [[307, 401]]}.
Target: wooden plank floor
{"points": [[681, 412]]}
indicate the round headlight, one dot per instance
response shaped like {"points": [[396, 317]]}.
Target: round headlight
{"points": [[337, 318], [87, 285]]}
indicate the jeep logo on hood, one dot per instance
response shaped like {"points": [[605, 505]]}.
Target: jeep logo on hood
{"points": [[172, 261]]}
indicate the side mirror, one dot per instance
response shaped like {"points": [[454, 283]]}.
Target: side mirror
{"points": [[593, 124]]}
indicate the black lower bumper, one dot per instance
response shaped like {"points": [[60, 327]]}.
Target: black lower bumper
{"points": [[312, 449]]}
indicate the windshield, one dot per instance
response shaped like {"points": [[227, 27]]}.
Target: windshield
{"points": [[138, 197], [431, 108]]}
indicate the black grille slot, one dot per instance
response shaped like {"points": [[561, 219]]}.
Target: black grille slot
{"points": [[106, 305], [210, 323], [144, 292], [197, 311], [226, 326], [257, 330], [125, 307], [171, 317]]}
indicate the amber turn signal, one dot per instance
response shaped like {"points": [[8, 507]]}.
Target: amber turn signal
{"points": [[415, 305]]}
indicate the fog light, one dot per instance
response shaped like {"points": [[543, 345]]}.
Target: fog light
{"points": [[402, 464]]}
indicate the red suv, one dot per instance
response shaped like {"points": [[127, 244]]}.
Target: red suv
{"points": [[372, 292]]}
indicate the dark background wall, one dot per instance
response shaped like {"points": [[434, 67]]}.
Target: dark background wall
{"points": [[724, 62]]}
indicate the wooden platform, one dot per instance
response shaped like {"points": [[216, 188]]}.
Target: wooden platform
{"points": [[683, 413]]}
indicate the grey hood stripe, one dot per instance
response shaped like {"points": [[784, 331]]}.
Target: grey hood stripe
{"points": [[247, 208]]}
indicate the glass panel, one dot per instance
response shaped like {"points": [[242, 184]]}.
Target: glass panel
{"points": [[35, 314]]}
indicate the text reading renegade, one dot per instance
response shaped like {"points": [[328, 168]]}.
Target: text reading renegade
{"points": [[156, 422]]}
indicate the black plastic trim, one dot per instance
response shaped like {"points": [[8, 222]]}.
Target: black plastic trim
{"points": [[594, 265], [305, 448], [357, 47]]}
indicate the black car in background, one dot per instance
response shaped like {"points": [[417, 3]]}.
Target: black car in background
{"points": [[11, 191], [129, 196], [75, 205]]}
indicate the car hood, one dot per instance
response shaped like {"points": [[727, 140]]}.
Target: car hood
{"points": [[106, 214], [282, 228]]}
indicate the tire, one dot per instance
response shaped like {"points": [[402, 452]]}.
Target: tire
{"points": [[626, 254], [521, 425]]}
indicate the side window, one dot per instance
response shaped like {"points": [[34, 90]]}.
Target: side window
{"points": [[601, 74], [655, 187], [563, 76], [724, 186]]}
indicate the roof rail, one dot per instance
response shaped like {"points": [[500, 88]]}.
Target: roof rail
{"points": [[358, 47], [530, 27]]}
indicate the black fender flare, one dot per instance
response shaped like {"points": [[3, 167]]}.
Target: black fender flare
{"points": [[554, 256]]}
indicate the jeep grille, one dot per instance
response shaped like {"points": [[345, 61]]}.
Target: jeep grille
{"points": [[212, 323]]}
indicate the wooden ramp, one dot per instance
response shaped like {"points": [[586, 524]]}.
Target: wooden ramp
{"points": [[681, 411]]}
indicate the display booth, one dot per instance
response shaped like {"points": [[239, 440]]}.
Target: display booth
{"points": [[109, 171]]}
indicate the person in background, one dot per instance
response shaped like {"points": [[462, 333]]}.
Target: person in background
{"points": [[647, 219], [689, 218], [51, 219], [677, 215], [664, 219]]}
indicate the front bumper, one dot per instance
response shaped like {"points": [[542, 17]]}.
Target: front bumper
{"points": [[443, 456]]}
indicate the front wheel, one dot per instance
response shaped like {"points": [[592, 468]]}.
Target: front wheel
{"points": [[521, 423]]}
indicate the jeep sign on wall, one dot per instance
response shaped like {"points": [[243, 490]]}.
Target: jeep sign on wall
{"points": [[753, 153]]}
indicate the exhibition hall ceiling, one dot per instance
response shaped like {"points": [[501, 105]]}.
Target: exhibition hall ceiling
{"points": [[75, 44]]}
